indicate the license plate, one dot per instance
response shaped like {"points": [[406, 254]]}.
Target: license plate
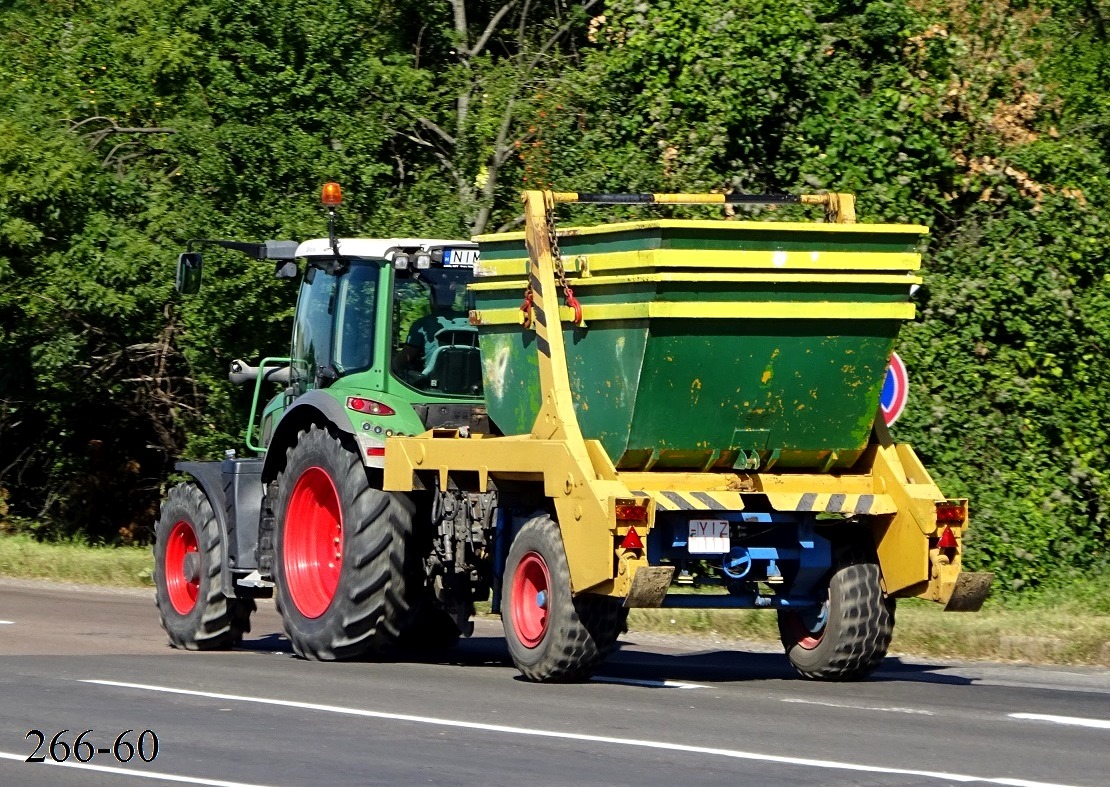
{"points": [[460, 258], [708, 537]]}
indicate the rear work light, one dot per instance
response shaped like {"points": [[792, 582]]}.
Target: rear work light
{"points": [[368, 406]]}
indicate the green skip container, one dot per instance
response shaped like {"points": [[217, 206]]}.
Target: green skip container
{"points": [[709, 344]]}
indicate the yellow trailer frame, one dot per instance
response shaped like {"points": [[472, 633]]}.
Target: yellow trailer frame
{"points": [[889, 485]]}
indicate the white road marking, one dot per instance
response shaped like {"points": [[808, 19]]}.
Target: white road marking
{"points": [[7, 622], [574, 736], [859, 707], [1098, 724], [653, 684], [166, 777]]}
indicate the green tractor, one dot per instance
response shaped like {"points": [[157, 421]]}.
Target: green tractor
{"points": [[381, 346]]}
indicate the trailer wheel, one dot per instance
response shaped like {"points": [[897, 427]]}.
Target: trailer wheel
{"points": [[552, 635], [848, 636], [188, 558], [339, 553]]}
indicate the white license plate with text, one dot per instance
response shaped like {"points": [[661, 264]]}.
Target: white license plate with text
{"points": [[460, 258], [708, 537]]}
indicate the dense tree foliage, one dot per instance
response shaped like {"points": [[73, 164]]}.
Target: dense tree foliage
{"points": [[127, 127]]}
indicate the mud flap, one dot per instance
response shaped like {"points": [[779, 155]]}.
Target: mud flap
{"points": [[649, 586], [970, 591]]}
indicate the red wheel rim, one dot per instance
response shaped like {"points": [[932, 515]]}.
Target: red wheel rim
{"points": [[182, 571], [808, 629], [530, 599], [312, 550]]}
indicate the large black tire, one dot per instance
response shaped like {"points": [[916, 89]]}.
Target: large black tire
{"points": [[188, 557], [849, 637], [558, 638], [357, 605]]}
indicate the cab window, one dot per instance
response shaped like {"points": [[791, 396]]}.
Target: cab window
{"points": [[435, 349]]}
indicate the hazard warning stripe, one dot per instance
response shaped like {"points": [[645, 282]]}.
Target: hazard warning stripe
{"points": [[833, 503], [667, 500]]}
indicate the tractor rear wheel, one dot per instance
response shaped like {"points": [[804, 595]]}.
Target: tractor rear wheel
{"points": [[847, 637], [188, 558], [339, 553], [552, 635]]}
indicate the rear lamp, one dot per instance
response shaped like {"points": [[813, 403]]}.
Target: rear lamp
{"points": [[368, 406], [627, 512], [331, 195], [951, 512]]}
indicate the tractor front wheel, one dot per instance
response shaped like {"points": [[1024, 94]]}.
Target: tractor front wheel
{"points": [[339, 553], [188, 558]]}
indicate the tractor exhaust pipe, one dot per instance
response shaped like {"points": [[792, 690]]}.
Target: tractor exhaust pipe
{"points": [[241, 372]]}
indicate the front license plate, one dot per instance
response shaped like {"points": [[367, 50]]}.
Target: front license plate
{"points": [[460, 258], [708, 537]]}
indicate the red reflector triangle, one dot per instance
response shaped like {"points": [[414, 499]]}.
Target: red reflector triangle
{"points": [[947, 539], [632, 540]]}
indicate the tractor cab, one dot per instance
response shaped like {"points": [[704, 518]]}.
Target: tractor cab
{"points": [[381, 345], [397, 306]]}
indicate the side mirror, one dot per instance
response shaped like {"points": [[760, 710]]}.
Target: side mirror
{"points": [[286, 269], [188, 273]]}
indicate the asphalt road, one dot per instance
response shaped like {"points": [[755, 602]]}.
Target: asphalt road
{"points": [[664, 711]]}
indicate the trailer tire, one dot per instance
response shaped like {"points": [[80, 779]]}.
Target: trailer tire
{"points": [[188, 559], [552, 635], [355, 605], [851, 636]]}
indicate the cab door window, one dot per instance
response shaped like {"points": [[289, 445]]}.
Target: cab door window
{"points": [[312, 329]]}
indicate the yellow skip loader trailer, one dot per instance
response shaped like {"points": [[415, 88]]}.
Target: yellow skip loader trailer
{"points": [[635, 405]]}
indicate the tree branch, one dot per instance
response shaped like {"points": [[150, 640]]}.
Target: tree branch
{"points": [[483, 39], [435, 129], [96, 137], [550, 42]]}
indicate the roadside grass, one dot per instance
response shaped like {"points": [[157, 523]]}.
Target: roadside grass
{"points": [[22, 557], [1069, 624]]}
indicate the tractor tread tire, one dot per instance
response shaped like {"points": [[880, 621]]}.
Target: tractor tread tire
{"points": [[370, 606], [860, 623], [581, 632], [216, 622]]}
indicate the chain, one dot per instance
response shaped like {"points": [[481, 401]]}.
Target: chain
{"points": [[557, 258], [526, 307]]}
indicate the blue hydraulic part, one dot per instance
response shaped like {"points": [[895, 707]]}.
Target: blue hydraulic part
{"points": [[774, 559], [737, 563]]}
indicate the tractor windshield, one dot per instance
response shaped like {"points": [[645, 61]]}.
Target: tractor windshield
{"points": [[435, 348], [333, 333]]}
